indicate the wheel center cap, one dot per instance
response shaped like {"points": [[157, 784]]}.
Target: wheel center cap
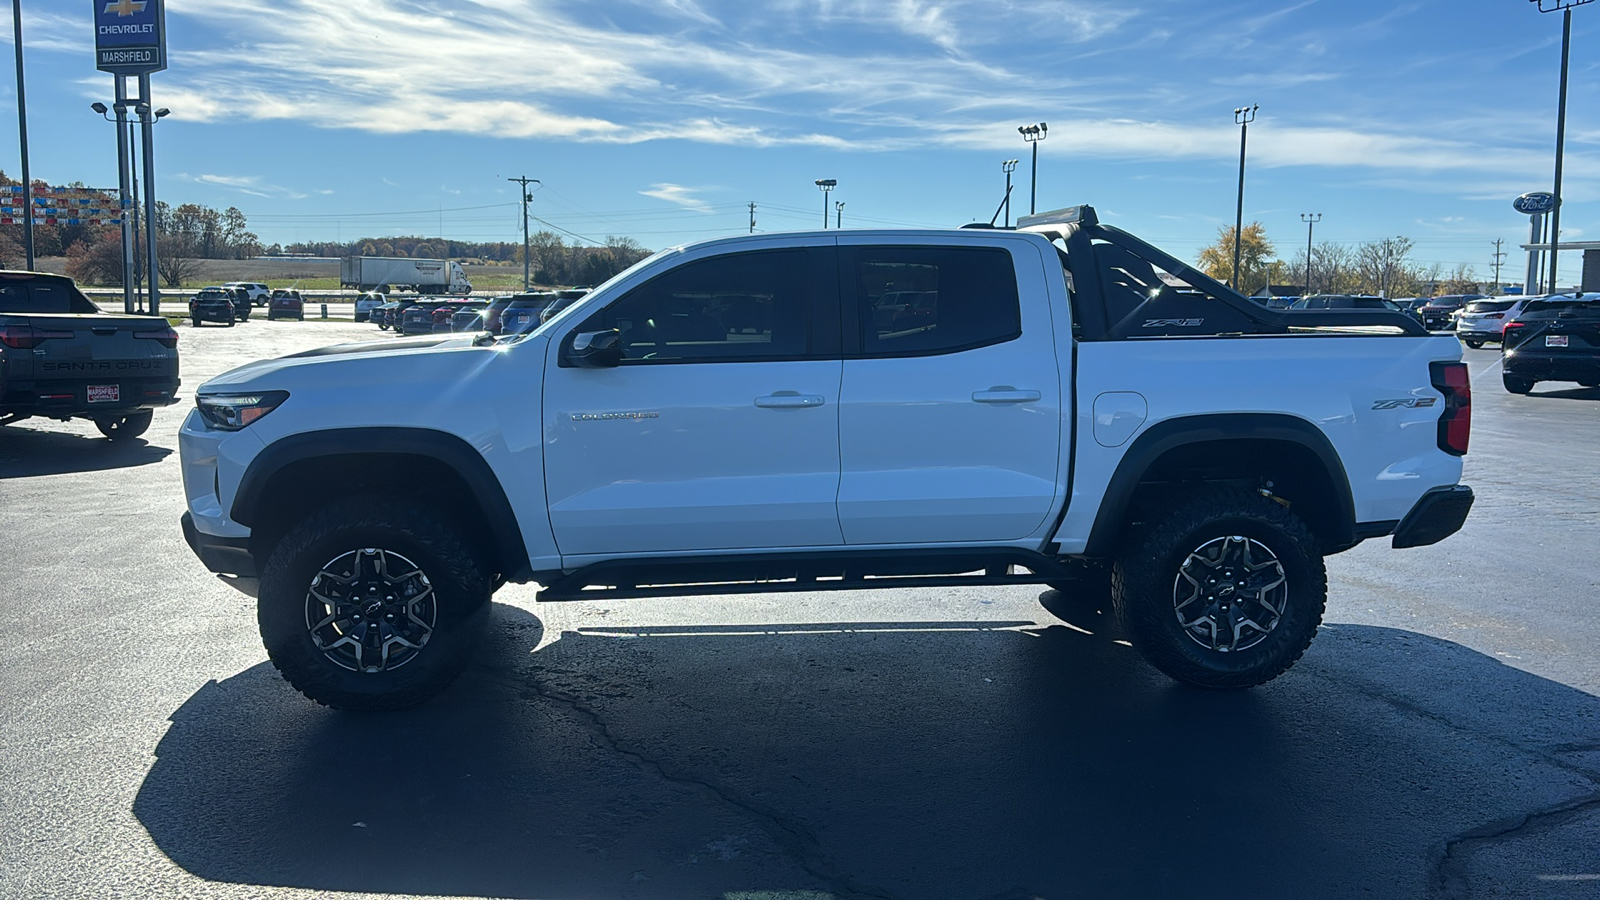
{"points": [[1226, 590], [373, 608]]}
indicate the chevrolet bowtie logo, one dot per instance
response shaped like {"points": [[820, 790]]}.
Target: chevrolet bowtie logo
{"points": [[126, 7]]}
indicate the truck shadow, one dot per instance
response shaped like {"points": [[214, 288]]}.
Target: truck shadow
{"points": [[1574, 393], [27, 451], [946, 759]]}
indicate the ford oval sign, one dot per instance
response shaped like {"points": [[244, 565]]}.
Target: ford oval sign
{"points": [[1535, 203]]}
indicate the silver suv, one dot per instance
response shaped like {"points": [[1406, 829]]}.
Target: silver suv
{"points": [[1485, 320]]}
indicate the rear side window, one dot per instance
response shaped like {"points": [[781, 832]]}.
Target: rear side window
{"points": [[739, 307], [929, 300], [43, 296]]}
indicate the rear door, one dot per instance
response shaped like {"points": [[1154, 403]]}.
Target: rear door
{"points": [[720, 428], [950, 411]]}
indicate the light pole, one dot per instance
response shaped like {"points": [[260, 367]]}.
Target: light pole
{"points": [[838, 214], [1565, 6], [1008, 166], [1033, 134], [22, 134], [1242, 117], [138, 260], [524, 181], [826, 184], [147, 122], [1311, 220]]}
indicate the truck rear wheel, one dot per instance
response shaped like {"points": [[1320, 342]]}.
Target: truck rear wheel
{"points": [[1224, 590], [1517, 385], [372, 604], [123, 428]]}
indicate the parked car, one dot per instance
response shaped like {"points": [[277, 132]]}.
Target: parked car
{"points": [[1555, 338], [1345, 301], [1437, 314], [523, 313], [418, 317], [468, 316], [662, 458], [242, 303], [1482, 321], [392, 312], [62, 358], [213, 304], [286, 304], [368, 302], [257, 293]]}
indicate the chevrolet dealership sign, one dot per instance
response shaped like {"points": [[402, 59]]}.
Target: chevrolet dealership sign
{"points": [[130, 36]]}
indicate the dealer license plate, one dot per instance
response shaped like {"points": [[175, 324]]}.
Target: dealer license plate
{"points": [[1555, 340], [104, 393]]}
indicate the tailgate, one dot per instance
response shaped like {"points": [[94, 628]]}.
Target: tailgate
{"points": [[90, 360]]}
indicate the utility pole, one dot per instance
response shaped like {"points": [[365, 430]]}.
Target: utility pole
{"points": [[527, 251], [838, 214], [752, 217], [1311, 220], [22, 133], [1498, 257], [1242, 117], [826, 185]]}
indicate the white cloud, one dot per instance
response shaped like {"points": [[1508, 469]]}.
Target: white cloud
{"points": [[678, 194], [245, 184]]}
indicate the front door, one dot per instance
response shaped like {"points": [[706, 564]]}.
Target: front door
{"points": [[719, 430], [951, 407]]}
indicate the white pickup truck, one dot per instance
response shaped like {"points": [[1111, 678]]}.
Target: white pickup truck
{"points": [[835, 410]]}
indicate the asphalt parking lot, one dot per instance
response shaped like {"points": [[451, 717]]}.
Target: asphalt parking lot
{"points": [[1441, 737]]}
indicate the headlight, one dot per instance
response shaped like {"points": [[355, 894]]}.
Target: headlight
{"points": [[231, 412]]}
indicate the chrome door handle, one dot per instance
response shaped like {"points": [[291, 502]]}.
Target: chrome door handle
{"points": [[1006, 395], [789, 400]]}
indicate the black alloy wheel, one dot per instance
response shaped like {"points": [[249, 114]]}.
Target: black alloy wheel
{"points": [[1221, 589], [372, 604]]}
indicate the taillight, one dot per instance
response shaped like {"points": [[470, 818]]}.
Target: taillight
{"points": [[1455, 422], [166, 336], [26, 337], [1512, 331]]}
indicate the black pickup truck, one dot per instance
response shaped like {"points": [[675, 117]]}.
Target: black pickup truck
{"points": [[62, 358]]}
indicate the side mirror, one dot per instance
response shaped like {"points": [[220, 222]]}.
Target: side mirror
{"points": [[596, 349]]}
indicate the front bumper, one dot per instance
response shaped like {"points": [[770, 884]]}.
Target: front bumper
{"points": [[226, 556], [1438, 514]]}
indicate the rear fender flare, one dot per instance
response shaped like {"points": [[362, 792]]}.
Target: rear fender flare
{"points": [[1171, 434]]}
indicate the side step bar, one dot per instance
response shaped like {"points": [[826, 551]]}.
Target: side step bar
{"points": [[780, 573]]}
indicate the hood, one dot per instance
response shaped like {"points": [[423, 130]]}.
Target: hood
{"points": [[371, 362]]}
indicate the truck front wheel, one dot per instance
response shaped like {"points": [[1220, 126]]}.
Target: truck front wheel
{"points": [[372, 604], [1223, 589]]}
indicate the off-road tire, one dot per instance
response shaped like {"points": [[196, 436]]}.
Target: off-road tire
{"points": [[125, 428], [1517, 385], [436, 545], [1145, 577]]}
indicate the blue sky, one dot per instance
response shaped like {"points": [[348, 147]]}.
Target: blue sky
{"points": [[662, 119]]}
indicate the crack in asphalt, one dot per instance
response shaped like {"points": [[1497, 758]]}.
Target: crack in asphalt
{"points": [[1547, 754], [794, 838], [1450, 877]]}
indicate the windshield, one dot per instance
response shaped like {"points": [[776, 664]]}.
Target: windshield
{"points": [[1486, 306]]}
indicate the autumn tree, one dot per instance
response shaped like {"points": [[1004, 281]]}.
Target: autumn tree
{"points": [[1256, 254]]}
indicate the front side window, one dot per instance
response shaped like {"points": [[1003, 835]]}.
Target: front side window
{"points": [[739, 307], [927, 300]]}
